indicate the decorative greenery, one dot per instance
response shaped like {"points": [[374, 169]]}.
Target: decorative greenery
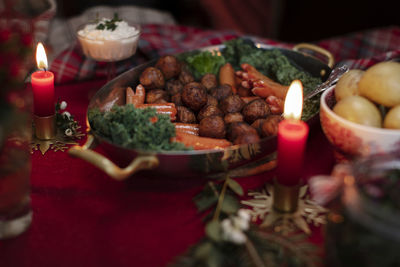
{"points": [[65, 122], [109, 24], [231, 241]]}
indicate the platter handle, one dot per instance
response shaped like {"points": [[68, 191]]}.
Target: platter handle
{"points": [[85, 152], [317, 49]]}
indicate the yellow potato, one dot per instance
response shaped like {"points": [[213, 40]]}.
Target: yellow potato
{"points": [[381, 84], [359, 110], [348, 84], [392, 118]]}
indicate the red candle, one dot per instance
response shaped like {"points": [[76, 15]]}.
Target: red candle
{"points": [[42, 86], [292, 137]]}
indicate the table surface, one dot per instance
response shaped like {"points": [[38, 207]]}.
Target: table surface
{"points": [[84, 218]]}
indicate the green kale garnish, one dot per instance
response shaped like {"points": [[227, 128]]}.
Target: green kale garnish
{"points": [[135, 128], [235, 49], [109, 24]]}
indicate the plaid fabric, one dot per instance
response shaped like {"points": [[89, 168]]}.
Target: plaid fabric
{"points": [[358, 50]]}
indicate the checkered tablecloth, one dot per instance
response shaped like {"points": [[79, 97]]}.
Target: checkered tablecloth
{"points": [[358, 50]]}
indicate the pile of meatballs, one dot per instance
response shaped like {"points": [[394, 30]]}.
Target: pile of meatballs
{"points": [[218, 111]]}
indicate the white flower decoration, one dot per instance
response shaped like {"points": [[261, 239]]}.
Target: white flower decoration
{"points": [[63, 105], [232, 228], [68, 132], [66, 114], [231, 233]]}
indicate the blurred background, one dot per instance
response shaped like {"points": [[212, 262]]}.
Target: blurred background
{"points": [[285, 20]]}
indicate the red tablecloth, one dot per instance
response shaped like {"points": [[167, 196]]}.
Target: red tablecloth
{"points": [[83, 218]]}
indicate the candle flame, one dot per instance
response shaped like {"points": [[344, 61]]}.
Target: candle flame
{"points": [[294, 101], [41, 58]]}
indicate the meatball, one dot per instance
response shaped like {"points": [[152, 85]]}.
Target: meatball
{"points": [[156, 96], [169, 66], [194, 95], [185, 115], [212, 100], [186, 77], [256, 109], [177, 99], [248, 138], [270, 126], [232, 103], [173, 86], [152, 78], [233, 117], [242, 91], [257, 125], [236, 129], [209, 110], [221, 92], [209, 81], [213, 127]]}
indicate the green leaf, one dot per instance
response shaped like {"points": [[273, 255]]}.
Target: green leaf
{"points": [[235, 186], [205, 199], [213, 230], [230, 204], [215, 258], [203, 250]]}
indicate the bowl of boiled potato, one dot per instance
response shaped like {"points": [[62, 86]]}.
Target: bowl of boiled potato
{"points": [[360, 115]]}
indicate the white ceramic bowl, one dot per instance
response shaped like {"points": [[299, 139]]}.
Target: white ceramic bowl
{"points": [[110, 50], [351, 139]]}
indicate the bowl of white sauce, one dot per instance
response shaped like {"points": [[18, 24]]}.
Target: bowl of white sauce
{"points": [[109, 40]]}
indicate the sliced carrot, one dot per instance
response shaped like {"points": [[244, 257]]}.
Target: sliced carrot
{"points": [[166, 108], [189, 128], [227, 76], [201, 143]]}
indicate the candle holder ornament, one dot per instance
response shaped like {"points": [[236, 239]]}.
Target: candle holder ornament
{"points": [[285, 208], [55, 132]]}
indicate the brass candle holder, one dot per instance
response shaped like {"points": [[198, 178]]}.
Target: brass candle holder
{"points": [[45, 127], [47, 136], [285, 208]]}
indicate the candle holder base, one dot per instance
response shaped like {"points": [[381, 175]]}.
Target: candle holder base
{"points": [[48, 134], [57, 143], [307, 211]]}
